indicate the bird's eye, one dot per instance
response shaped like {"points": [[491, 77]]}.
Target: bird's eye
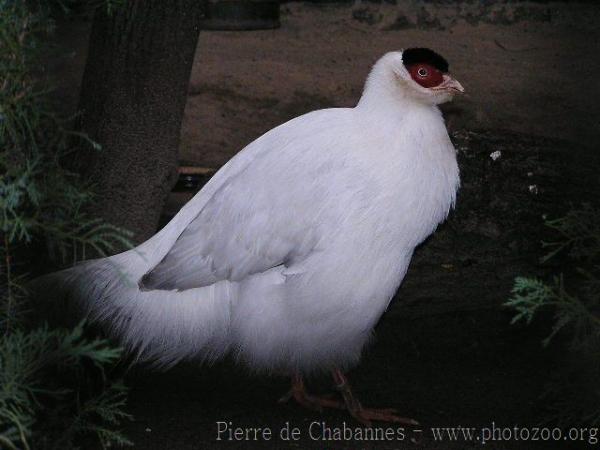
{"points": [[425, 75]]}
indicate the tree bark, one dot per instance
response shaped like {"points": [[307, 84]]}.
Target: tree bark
{"points": [[133, 95]]}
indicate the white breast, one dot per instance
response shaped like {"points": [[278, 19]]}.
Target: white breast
{"points": [[388, 190]]}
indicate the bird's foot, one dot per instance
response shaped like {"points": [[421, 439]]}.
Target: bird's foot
{"points": [[365, 415], [314, 402], [350, 403]]}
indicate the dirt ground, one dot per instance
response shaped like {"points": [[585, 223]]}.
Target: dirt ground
{"points": [[536, 75], [533, 77], [444, 352]]}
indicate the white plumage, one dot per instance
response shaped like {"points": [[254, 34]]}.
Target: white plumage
{"points": [[290, 254]]}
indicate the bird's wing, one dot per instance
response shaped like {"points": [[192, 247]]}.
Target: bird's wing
{"points": [[261, 217]]}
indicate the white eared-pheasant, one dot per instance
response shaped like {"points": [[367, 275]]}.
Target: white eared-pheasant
{"points": [[290, 254]]}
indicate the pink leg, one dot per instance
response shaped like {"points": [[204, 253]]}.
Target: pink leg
{"points": [[365, 415], [317, 403]]}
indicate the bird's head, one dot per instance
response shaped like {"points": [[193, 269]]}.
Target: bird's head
{"points": [[418, 74]]}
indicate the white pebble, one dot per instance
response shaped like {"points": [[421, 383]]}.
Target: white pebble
{"points": [[496, 155]]}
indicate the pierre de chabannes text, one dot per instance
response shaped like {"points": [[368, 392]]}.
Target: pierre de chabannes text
{"points": [[322, 431]]}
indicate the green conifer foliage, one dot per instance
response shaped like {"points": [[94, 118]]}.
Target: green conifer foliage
{"points": [[572, 298], [56, 386]]}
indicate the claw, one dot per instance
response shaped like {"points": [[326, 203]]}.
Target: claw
{"points": [[366, 415]]}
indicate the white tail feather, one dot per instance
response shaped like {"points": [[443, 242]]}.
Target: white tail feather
{"points": [[162, 327]]}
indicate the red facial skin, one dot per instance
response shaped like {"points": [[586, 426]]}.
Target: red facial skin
{"points": [[425, 75]]}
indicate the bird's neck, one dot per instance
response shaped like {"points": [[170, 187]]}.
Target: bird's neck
{"points": [[384, 94]]}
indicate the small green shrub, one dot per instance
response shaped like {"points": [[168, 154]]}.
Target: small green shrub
{"points": [[56, 385], [573, 299]]}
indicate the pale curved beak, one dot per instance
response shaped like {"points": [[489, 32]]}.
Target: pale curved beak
{"points": [[450, 84]]}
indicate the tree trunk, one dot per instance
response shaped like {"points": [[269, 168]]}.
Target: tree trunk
{"points": [[133, 95]]}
